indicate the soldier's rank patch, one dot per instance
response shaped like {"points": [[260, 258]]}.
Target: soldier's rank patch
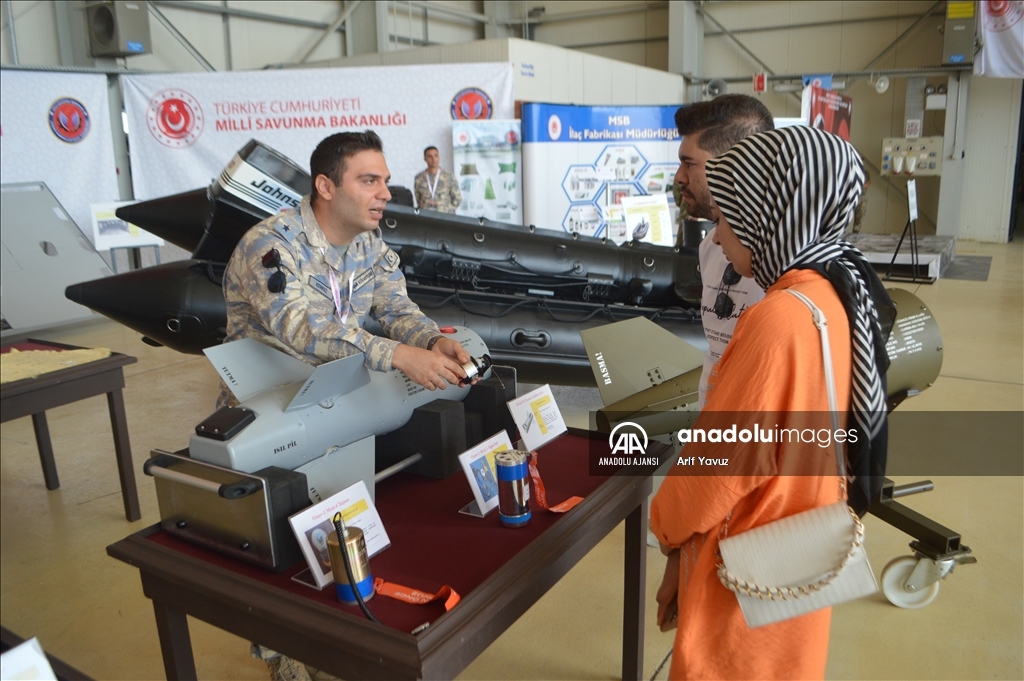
{"points": [[391, 258]]}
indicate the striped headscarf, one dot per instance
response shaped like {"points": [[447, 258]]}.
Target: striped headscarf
{"points": [[789, 195]]}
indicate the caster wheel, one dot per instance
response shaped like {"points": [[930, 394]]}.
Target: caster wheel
{"points": [[895, 574]]}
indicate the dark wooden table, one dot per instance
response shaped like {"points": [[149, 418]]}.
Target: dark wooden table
{"points": [[431, 544], [33, 396]]}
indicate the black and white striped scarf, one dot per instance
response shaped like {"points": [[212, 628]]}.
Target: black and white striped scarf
{"points": [[789, 195]]}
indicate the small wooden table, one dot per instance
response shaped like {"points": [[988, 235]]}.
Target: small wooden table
{"points": [[33, 396], [499, 572]]}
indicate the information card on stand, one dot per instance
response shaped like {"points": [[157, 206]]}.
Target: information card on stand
{"points": [[313, 525], [537, 416], [478, 464]]}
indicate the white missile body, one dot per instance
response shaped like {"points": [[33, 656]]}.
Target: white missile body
{"points": [[320, 421]]}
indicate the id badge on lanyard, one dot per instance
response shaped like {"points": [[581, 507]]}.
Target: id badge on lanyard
{"points": [[336, 292]]}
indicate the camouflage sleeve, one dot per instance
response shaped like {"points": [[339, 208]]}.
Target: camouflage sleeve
{"points": [[421, 190], [398, 315], [456, 193], [307, 327]]}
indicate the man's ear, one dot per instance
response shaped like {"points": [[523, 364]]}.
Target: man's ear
{"points": [[324, 187]]}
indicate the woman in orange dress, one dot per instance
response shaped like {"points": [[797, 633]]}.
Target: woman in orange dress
{"points": [[785, 197]]}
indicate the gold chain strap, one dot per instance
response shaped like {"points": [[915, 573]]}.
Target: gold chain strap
{"points": [[743, 587]]}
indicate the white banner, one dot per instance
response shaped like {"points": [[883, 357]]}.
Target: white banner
{"points": [[186, 127], [1001, 28], [488, 168], [55, 128]]}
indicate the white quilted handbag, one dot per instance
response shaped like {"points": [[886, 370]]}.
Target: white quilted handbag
{"points": [[805, 562]]}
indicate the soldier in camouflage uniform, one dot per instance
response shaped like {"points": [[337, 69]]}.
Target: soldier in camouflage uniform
{"points": [[435, 188], [303, 281], [336, 271]]}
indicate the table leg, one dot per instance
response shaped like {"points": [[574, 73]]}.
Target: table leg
{"points": [[45, 450], [125, 467], [634, 594], [175, 644]]}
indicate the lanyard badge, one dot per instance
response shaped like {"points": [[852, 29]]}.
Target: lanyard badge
{"points": [[336, 292]]}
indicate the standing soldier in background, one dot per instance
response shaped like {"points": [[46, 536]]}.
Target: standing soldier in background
{"points": [[436, 188]]}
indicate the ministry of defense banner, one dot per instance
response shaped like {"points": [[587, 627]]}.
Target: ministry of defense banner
{"points": [[580, 162], [185, 127], [56, 129]]}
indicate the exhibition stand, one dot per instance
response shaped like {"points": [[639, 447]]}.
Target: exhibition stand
{"points": [[499, 573]]}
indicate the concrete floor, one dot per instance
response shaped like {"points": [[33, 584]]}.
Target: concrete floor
{"points": [[58, 583]]}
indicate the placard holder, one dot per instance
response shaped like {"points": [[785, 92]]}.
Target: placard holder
{"points": [[305, 577], [473, 509]]}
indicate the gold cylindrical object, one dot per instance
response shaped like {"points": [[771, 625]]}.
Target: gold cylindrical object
{"points": [[355, 545]]}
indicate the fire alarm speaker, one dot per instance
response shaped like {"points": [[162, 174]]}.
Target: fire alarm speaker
{"points": [[118, 29]]}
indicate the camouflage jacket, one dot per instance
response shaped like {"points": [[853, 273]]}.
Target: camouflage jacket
{"points": [[301, 320], [446, 193]]}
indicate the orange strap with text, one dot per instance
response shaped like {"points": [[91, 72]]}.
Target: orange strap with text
{"points": [[415, 596], [541, 494]]}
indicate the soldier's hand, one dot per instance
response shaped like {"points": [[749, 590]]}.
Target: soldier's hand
{"points": [[428, 368], [452, 349]]}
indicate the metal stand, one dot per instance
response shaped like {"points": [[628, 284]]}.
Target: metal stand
{"points": [[911, 229]]}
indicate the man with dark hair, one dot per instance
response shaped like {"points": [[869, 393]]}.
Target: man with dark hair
{"points": [[708, 129], [435, 188], [304, 281]]}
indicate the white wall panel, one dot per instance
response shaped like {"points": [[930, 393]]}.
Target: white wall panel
{"points": [[630, 53], [624, 83], [597, 80], [991, 149]]}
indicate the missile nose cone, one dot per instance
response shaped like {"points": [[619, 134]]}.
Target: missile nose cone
{"points": [[180, 218], [179, 305]]}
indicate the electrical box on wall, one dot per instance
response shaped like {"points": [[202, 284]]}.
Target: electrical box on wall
{"points": [[913, 157], [958, 37], [118, 29]]}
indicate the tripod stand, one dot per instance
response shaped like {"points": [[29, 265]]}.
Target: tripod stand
{"points": [[911, 230]]}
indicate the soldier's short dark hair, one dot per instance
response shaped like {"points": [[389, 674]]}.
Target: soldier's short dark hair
{"points": [[428, 149], [330, 155], [724, 121]]}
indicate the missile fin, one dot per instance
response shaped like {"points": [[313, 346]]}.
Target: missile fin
{"points": [[634, 355], [249, 367], [330, 380]]}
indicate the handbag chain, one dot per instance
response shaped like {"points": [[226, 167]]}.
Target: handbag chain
{"points": [[741, 586]]}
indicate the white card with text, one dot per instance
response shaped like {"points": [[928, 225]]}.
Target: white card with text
{"points": [[313, 525], [478, 464], [537, 416]]}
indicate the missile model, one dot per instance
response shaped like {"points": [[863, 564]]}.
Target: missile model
{"points": [[319, 421], [299, 435], [527, 291], [656, 385]]}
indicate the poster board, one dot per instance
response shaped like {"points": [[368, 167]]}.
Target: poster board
{"points": [[581, 161], [489, 169]]}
